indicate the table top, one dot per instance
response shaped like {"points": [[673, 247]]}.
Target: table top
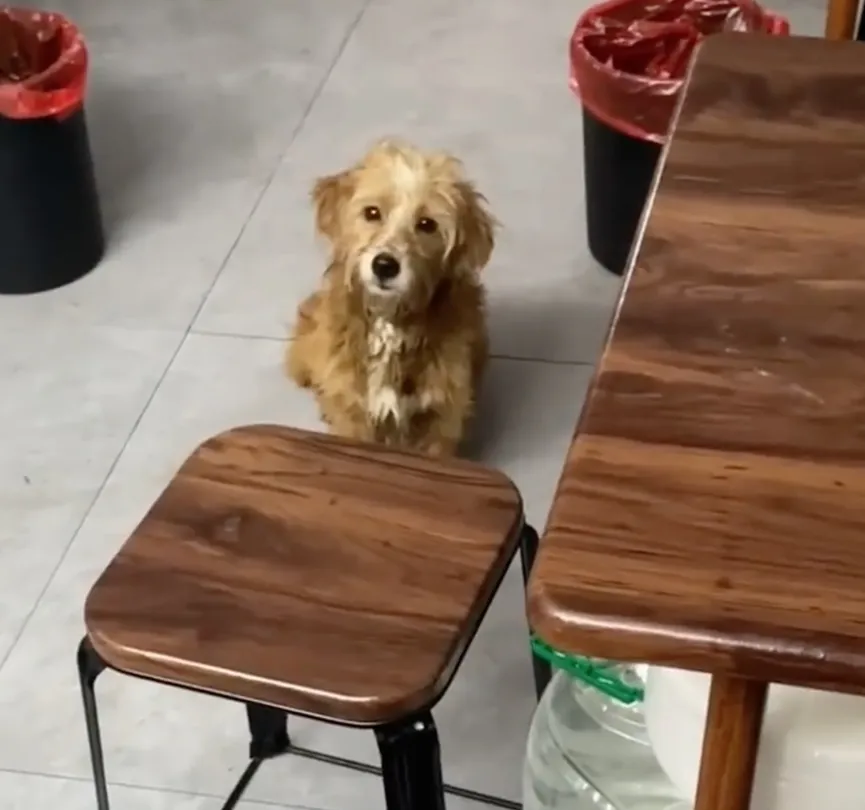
{"points": [[711, 512]]}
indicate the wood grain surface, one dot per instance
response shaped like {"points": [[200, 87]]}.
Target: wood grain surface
{"points": [[711, 513], [307, 572]]}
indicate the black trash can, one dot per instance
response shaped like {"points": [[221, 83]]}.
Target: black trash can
{"points": [[619, 170], [51, 229], [628, 63]]}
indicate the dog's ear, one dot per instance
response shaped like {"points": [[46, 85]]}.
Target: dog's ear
{"points": [[475, 238], [329, 194]]}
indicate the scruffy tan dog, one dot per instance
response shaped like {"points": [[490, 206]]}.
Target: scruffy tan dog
{"points": [[394, 342]]}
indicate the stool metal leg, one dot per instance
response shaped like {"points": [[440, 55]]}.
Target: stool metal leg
{"points": [[268, 730], [529, 542], [411, 765], [90, 667], [268, 737]]}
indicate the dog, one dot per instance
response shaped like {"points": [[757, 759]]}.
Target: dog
{"points": [[394, 342]]}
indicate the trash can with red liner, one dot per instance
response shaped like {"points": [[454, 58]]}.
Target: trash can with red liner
{"points": [[628, 64], [50, 223]]}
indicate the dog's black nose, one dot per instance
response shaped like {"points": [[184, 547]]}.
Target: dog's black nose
{"points": [[385, 267]]}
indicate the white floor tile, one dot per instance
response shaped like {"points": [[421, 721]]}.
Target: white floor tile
{"points": [[37, 792], [70, 400], [807, 17], [34, 792]]}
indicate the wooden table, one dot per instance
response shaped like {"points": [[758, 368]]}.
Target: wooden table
{"points": [[711, 512]]}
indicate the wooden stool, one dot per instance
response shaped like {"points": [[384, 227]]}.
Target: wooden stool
{"points": [[298, 573]]}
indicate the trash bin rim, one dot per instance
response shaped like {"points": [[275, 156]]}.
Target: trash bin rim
{"points": [[623, 127], [37, 97], [596, 10], [588, 73]]}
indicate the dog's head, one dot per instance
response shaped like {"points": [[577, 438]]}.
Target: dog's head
{"points": [[401, 221]]}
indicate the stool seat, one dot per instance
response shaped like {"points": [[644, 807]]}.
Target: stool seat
{"points": [[302, 571]]}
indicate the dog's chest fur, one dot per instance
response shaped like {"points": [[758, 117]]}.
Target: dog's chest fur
{"points": [[391, 393]]}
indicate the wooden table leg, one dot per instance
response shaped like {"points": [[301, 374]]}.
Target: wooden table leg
{"points": [[733, 725], [841, 19]]}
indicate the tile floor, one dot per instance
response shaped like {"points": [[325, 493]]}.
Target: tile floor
{"points": [[209, 119]]}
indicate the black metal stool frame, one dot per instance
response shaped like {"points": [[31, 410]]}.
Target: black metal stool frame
{"points": [[409, 749]]}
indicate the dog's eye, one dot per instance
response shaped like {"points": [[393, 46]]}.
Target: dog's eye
{"points": [[427, 225], [371, 213]]}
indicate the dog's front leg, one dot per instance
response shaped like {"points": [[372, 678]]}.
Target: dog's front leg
{"points": [[448, 400], [349, 428], [307, 345], [347, 420], [441, 439]]}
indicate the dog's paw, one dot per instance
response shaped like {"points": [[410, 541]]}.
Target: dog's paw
{"points": [[297, 370], [302, 379]]}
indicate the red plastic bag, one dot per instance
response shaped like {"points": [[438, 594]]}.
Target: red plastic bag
{"points": [[43, 64], [629, 57]]}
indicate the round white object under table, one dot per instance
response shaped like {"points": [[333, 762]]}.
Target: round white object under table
{"points": [[812, 751]]}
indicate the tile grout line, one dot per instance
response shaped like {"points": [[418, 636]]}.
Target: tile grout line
{"points": [[92, 503], [316, 94], [158, 790], [493, 356], [303, 118], [178, 791]]}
